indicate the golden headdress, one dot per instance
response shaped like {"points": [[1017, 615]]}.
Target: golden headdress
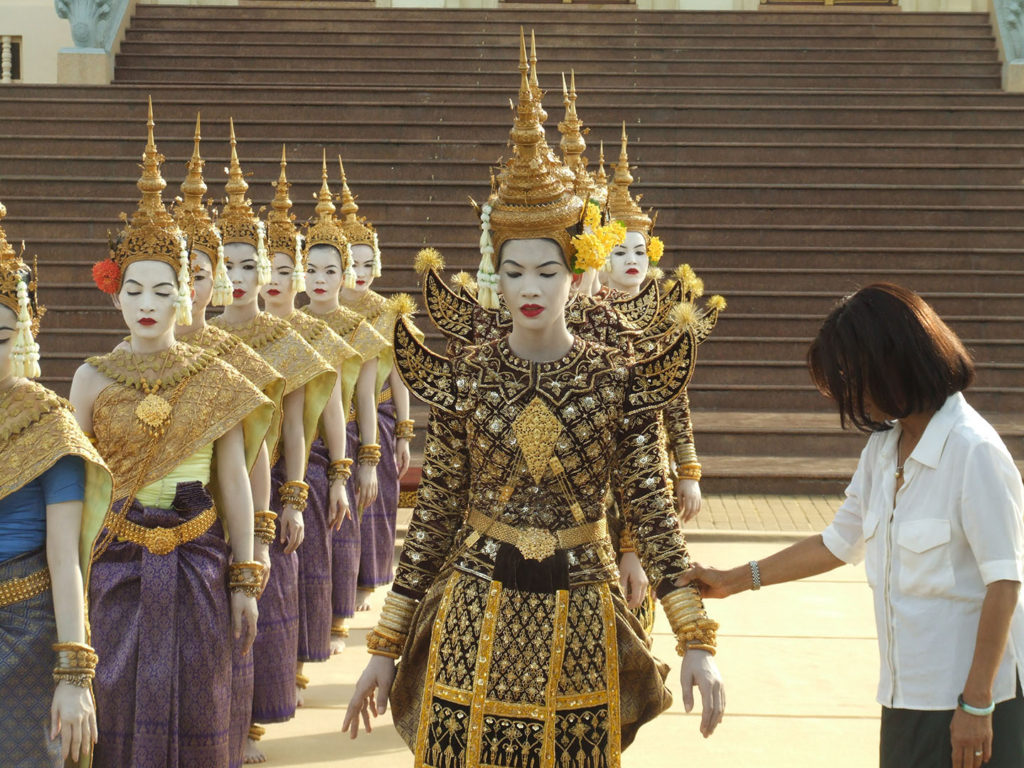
{"points": [[18, 292], [282, 234], [194, 220], [325, 229], [237, 221], [573, 144], [532, 200], [151, 235], [358, 231], [622, 207], [600, 193]]}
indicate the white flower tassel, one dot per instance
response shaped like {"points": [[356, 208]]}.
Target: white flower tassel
{"points": [[376, 256], [183, 303], [298, 269], [486, 277], [262, 257], [350, 270], [25, 353], [223, 290]]}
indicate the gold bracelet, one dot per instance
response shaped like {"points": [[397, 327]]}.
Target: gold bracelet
{"points": [[689, 472], [378, 644], [369, 454], [256, 732], [626, 541], [688, 619], [76, 664], [301, 681], [265, 529], [397, 613], [246, 577], [405, 429], [341, 469], [294, 494]]}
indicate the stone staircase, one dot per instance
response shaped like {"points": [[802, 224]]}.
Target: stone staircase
{"points": [[793, 158]]}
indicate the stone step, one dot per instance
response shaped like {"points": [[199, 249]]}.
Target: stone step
{"points": [[757, 325], [784, 348]]}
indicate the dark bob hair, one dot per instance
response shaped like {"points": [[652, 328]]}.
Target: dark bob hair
{"points": [[886, 343]]}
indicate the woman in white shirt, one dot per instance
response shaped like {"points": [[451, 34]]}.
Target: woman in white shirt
{"points": [[935, 510]]}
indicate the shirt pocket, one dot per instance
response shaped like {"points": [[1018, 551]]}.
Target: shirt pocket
{"points": [[926, 563], [869, 529]]}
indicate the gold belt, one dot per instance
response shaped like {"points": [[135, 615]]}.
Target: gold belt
{"points": [[160, 540], [15, 590], [537, 543]]}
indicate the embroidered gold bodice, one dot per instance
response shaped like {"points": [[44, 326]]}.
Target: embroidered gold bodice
{"points": [[207, 398], [249, 363], [354, 328], [537, 445], [319, 335], [37, 428], [381, 315]]}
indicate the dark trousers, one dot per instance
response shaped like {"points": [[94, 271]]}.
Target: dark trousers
{"points": [[914, 738]]}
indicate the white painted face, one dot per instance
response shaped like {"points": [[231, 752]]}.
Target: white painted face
{"points": [[362, 262], [147, 298], [323, 272], [8, 332], [240, 260], [279, 292], [535, 282], [202, 282], [629, 263]]}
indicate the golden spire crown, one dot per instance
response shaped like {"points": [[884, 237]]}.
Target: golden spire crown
{"points": [[600, 193], [237, 221], [573, 144], [13, 270], [325, 229], [282, 234], [532, 199], [358, 231], [191, 215], [18, 292], [621, 204]]}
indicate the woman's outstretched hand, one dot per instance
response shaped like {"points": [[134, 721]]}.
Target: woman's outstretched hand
{"points": [[371, 695], [711, 581]]}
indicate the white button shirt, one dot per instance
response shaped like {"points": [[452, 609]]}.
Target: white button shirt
{"points": [[956, 527]]}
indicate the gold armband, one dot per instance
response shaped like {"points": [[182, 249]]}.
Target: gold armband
{"points": [[369, 454], [246, 577], [76, 664], [256, 732], [341, 469], [294, 494], [689, 472], [265, 529], [689, 621], [381, 642], [301, 681], [405, 429], [388, 637]]}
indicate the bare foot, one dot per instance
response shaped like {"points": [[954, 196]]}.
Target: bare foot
{"points": [[363, 599], [337, 644], [298, 697], [253, 753]]}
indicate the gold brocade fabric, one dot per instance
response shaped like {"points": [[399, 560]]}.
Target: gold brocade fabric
{"points": [[381, 315], [352, 327], [247, 362], [38, 428], [289, 354], [319, 335], [208, 398]]}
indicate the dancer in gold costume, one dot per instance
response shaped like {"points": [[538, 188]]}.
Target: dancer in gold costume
{"points": [[516, 646], [54, 492], [180, 431]]}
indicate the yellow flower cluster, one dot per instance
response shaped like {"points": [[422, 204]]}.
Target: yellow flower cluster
{"points": [[592, 217], [655, 250], [592, 248]]}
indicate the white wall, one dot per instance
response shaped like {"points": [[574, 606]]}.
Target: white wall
{"points": [[42, 35]]}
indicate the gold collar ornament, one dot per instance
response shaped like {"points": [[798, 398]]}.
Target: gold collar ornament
{"points": [[18, 292], [193, 218], [151, 235], [532, 199], [237, 221], [358, 231], [282, 235], [325, 229]]}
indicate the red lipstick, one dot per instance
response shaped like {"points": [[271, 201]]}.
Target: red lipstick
{"points": [[632, 271], [147, 321], [319, 290], [531, 310], [238, 293], [273, 292]]}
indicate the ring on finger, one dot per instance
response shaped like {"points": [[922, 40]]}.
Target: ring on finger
{"points": [[978, 752]]}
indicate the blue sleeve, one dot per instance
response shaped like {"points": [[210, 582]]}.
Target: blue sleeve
{"points": [[64, 481]]}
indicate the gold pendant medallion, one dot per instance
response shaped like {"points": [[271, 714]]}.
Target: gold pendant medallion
{"points": [[154, 412]]}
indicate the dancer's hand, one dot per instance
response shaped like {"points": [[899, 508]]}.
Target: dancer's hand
{"points": [[339, 504], [73, 716], [699, 669], [366, 482], [244, 615], [687, 498], [292, 529], [402, 457], [371, 695], [261, 554], [633, 579]]}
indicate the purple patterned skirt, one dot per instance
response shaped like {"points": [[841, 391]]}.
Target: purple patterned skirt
{"points": [[27, 630], [275, 651], [345, 546], [161, 626], [315, 562], [377, 527], [241, 702]]}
